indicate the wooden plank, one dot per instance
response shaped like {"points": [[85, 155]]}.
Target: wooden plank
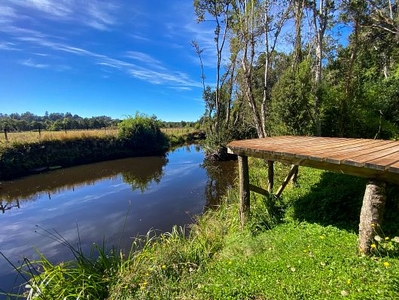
{"points": [[338, 168], [258, 190], [365, 148], [334, 154], [383, 163], [341, 155], [291, 173], [394, 168], [378, 152]]}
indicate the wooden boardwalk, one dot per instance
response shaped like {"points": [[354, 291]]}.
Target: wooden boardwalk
{"points": [[374, 159], [377, 160]]}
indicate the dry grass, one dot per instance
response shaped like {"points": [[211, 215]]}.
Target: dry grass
{"points": [[178, 130], [32, 137]]}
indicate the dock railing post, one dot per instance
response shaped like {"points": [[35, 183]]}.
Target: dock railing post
{"points": [[244, 189]]}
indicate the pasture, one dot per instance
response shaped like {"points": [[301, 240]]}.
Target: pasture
{"points": [[35, 136]]}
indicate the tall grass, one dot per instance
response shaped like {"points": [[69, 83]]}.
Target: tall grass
{"points": [[34, 136]]}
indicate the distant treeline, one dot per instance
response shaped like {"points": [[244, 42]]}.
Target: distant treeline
{"points": [[65, 121]]}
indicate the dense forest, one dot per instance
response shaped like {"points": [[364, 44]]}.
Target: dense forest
{"points": [[324, 68], [28, 121]]}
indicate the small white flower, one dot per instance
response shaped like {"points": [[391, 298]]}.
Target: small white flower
{"points": [[344, 293], [396, 239]]}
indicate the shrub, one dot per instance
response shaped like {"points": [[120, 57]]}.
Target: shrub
{"points": [[142, 132]]}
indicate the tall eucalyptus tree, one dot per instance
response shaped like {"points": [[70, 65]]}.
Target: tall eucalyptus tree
{"points": [[218, 11], [322, 15]]}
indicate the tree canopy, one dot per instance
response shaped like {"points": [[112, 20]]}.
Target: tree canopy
{"points": [[302, 67]]}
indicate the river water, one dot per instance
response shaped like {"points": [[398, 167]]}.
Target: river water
{"points": [[111, 201]]}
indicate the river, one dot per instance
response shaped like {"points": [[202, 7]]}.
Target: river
{"points": [[112, 201]]}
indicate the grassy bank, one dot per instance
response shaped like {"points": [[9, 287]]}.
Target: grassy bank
{"points": [[302, 246], [26, 152], [35, 136]]}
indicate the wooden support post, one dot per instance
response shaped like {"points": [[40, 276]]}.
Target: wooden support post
{"points": [[258, 190], [295, 177], [244, 189], [270, 176], [287, 179], [371, 214]]}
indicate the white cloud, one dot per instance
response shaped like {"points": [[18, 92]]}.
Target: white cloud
{"points": [[8, 46], [158, 75], [30, 63], [100, 15], [144, 58], [55, 8], [94, 13], [6, 14]]}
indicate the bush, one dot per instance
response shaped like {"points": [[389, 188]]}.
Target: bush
{"points": [[142, 132]]}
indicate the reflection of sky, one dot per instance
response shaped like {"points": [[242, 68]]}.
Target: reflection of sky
{"points": [[99, 212]]}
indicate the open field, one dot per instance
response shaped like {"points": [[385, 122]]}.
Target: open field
{"points": [[34, 136]]}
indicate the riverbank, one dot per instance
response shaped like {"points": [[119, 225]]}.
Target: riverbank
{"points": [[302, 246], [25, 158]]}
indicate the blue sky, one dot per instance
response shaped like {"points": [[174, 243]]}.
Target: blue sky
{"points": [[99, 57]]}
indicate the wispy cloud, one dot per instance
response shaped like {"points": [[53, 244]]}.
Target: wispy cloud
{"points": [[7, 14], [30, 63], [8, 46], [151, 70], [94, 13], [144, 58], [99, 15], [55, 8], [140, 37]]}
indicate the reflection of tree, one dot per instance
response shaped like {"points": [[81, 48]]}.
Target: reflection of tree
{"points": [[8, 205], [141, 174], [221, 176], [137, 171]]}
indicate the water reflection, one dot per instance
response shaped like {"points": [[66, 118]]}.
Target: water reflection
{"points": [[138, 172], [109, 202], [221, 176]]}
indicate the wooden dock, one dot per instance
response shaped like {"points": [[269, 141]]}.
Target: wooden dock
{"points": [[376, 160]]}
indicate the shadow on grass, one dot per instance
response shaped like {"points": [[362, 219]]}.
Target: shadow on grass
{"points": [[337, 199]]}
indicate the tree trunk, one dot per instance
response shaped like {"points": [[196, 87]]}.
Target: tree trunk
{"points": [[298, 16], [371, 214]]}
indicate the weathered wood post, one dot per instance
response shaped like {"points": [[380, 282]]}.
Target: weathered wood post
{"points": [[270, 176], [244, 189], [371, 214]]}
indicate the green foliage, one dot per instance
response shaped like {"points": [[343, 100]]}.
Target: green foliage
{"points": [[383, 245], [54, 121], [137, 136], [291, 111], [23, 158], [142, 131], [88, 276]]}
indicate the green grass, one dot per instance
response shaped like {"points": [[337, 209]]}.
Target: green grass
{"points": [[302, 246], [296, 261]]}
